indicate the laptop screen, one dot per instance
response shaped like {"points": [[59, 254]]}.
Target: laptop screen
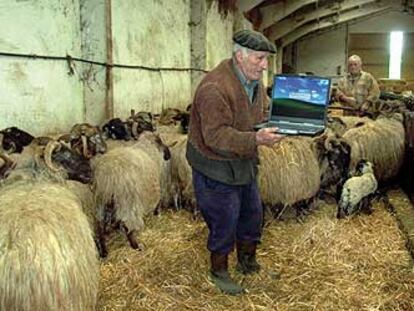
{"points": [[296, 96]]}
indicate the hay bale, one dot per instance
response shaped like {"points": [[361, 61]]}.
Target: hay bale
{"points": [[382, 143], [47, 253], [288, 172]]}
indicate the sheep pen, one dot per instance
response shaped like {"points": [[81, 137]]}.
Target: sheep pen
{"points": [[47, 253]]}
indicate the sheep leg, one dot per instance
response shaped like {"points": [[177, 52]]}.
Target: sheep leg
{"points": [[100, 239], [365, 206], [131, 236]]}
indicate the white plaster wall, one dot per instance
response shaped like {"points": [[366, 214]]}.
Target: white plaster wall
{"points": [[219, 42], [322, 54], [92, 25], [38, 95], [152, 34]]}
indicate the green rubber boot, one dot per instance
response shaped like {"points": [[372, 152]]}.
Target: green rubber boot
{"points": [[246, 257], [220, 276]]}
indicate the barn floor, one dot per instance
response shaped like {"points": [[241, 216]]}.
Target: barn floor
{"points": [[317, 264]]}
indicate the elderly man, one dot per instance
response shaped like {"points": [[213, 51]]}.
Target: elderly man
{"points": [[222, 151], [358, 89]]}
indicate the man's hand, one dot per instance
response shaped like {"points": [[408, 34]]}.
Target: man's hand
{"points": [[365, 106], [347, 99], [268, 136]]}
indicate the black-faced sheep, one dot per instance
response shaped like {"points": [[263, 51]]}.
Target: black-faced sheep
{"points": [[116, 129], [15, 139], [47, 252], [382, 142], [54, 160], [358, 190], [288, 175]]}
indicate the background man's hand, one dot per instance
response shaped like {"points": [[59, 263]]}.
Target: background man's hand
{"points": [[346, 99], [268, 136]]}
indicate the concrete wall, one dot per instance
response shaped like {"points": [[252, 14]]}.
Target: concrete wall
{"points": [[323, 52], [93, 33], [39, 95], [154, 34], [219, 41]]}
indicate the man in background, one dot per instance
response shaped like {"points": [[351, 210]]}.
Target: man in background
{"points": [[358, 89]]}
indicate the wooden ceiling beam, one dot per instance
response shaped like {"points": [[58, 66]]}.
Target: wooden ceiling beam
{"points": [[275, 12], [339, 19], [247, 5], [288, 25]]}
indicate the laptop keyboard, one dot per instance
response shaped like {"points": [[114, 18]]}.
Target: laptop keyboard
{"points": [[295, 126]]}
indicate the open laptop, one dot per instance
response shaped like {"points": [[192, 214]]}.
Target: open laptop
{"points": [[298, 104]]}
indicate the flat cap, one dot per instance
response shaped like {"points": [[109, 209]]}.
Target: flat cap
{"points": [[253, 40]]}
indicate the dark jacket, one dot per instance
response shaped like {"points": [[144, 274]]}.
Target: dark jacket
{"points": [[221, 139]]}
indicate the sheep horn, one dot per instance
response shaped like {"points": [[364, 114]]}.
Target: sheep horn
{"points": [[1, 140], [135, 130], [13, 147], [328, 140], [50, 147], [85, 147], [8, 164]]}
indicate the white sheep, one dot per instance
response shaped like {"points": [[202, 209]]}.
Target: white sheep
{"points": [[127, 186], [358, 190], [48, 257]]}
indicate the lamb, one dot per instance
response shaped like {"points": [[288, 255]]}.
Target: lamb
{"points": [[358, 190], [47, 252], [127, 186]]}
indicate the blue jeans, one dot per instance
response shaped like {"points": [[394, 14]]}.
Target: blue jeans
{"points": [[231, 212]]}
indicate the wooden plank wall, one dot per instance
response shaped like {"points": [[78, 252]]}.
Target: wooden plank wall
{"points": [[373, 48]]}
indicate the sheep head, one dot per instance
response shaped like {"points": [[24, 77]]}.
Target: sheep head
{"points": [[140, 122], [76, 166], [116, 129], [87, 140], [15, 139]]}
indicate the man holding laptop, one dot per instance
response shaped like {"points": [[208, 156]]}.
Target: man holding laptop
{"points": [[222, 151]]}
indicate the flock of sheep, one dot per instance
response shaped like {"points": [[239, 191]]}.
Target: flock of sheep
{"points": [[60, 196]]}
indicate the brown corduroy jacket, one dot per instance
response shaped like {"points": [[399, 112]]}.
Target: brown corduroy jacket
{"points": [[222, 140]]}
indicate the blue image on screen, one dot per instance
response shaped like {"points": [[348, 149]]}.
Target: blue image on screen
{"points": [[300, 96], [311, 90]]}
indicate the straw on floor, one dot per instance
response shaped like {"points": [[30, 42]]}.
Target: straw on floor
{"points": [[319, 264]]}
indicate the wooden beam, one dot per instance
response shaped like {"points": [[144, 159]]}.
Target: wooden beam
{"points": [[247, 5], [287, 25], [345, 17], [275, 12], [109, 80]]}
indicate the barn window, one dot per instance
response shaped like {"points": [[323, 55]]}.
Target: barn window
{"points": [[396, 45]]}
